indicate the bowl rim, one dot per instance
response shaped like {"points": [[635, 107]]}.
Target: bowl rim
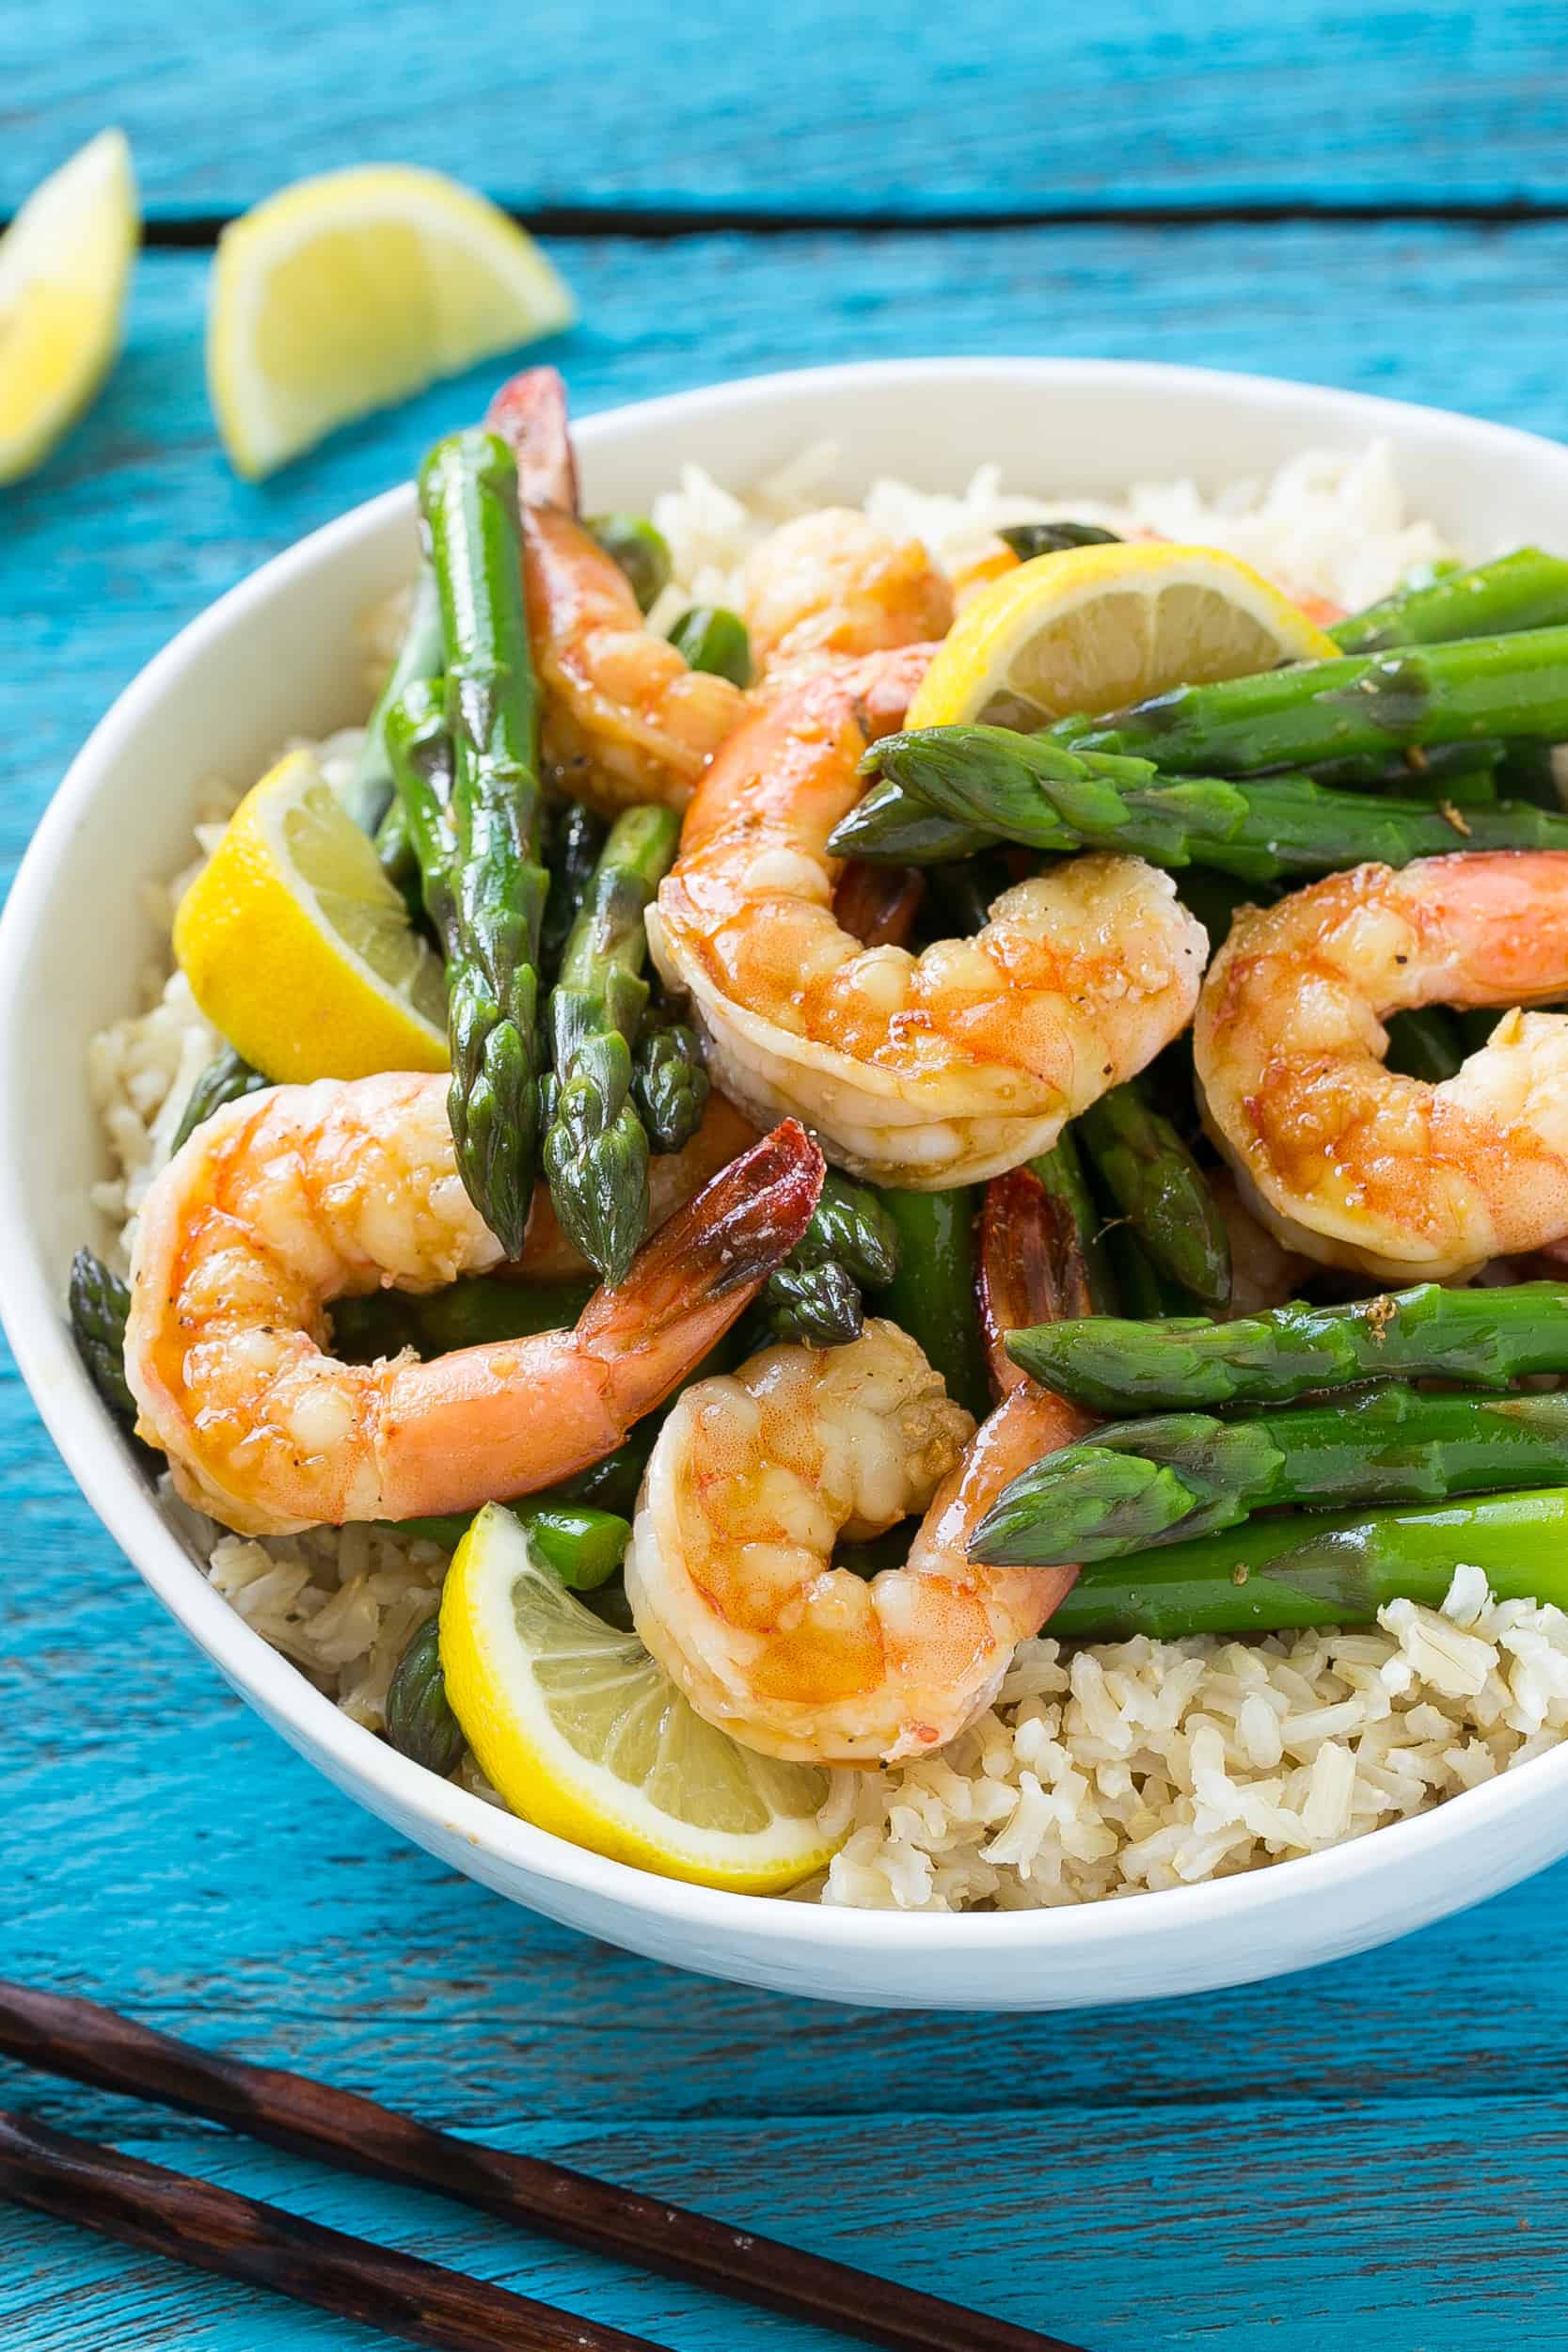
{"points": [[113, 1489]]}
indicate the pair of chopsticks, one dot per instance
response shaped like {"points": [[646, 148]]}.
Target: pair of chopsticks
{"points": [[212, 2229]]}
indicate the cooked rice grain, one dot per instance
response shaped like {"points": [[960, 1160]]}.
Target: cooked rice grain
{"points": [[1133, 1765]]}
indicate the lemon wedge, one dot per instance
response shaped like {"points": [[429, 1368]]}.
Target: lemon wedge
{"points": [[65, 266], [1093, 628], [298, 947], [350, 291], [584, 1735]]}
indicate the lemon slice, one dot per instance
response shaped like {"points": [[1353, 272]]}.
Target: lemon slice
{"points": [[298, 946], [583, 1734], [65, 265], [348, 291], [1093, 628]]}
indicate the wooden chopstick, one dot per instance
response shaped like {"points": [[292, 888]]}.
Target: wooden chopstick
{"points": [[212, 2229], [90, 2044]]}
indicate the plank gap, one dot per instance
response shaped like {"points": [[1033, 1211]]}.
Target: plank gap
{"points": [[663, 224]]}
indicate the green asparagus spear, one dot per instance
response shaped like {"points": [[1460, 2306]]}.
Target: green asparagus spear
{"points": [[1425, 1044], [1180, 1475], [580, 1545], [398, 862], [596, 1148], [852, 1225], [1528, 771], [819, 1306], [1472, 785], [420, 1721], [898, 824], [1061, 1171], [583, 1547], [979, 781], [1361, 704], [670, 1084], [1524, 590], [1485, 1338], [368, 794], [1322, 1569], [850, 1245], [1159, 1187], [469, 498], [1147, 1293], [98, 1302], [713, 638], [226, 1078], [576, 841], [1028, 540], [482, 1311], [641, 549], [932, 1294], [420, 753], [1463, 773]]}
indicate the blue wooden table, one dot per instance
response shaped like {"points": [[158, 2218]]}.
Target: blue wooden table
{"points": [[1374, 196]]}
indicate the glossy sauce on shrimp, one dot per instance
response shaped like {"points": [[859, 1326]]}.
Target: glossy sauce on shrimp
{"points": [[924, 1071], [1346, 1160], [287, 1201], [754, 1479], [626, 719]]}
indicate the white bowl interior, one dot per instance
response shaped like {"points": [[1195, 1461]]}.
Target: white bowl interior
{"points": [[279, 656]]}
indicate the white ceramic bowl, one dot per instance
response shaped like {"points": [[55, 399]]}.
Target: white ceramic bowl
{"points": [[275, 657]]}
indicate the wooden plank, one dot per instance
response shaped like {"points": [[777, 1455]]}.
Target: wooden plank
{"points": [[857, 107], [1126, 2234]]}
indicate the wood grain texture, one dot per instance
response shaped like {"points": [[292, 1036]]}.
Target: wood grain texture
{"points": [[138, 523], [857, 107], [1371, 2154]]}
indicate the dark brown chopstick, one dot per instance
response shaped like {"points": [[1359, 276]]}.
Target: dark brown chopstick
{"points": [[212, 2229], [90, 2044]]}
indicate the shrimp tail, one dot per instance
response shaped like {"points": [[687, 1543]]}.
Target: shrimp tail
{"points": [[697, 1275], [530, 415], [1030, 1269]]}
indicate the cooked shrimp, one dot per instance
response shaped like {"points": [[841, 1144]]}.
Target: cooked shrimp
{"points": [[922, 1070], [751, 1481], [625, 719], [286, 1201], [1355, 1165], [831, 583]]}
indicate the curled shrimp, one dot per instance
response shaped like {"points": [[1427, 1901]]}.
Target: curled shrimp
{"points": [[626, 719], [288, 1200], [752, 1480], [1348, 1162], [831, 582], [920, 1070]]}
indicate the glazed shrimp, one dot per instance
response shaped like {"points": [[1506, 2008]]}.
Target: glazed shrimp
{"points": [[1348, 1162], [831, 582], [920, 1070], [286, 1201], [753, 1478], [626, 719]]}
